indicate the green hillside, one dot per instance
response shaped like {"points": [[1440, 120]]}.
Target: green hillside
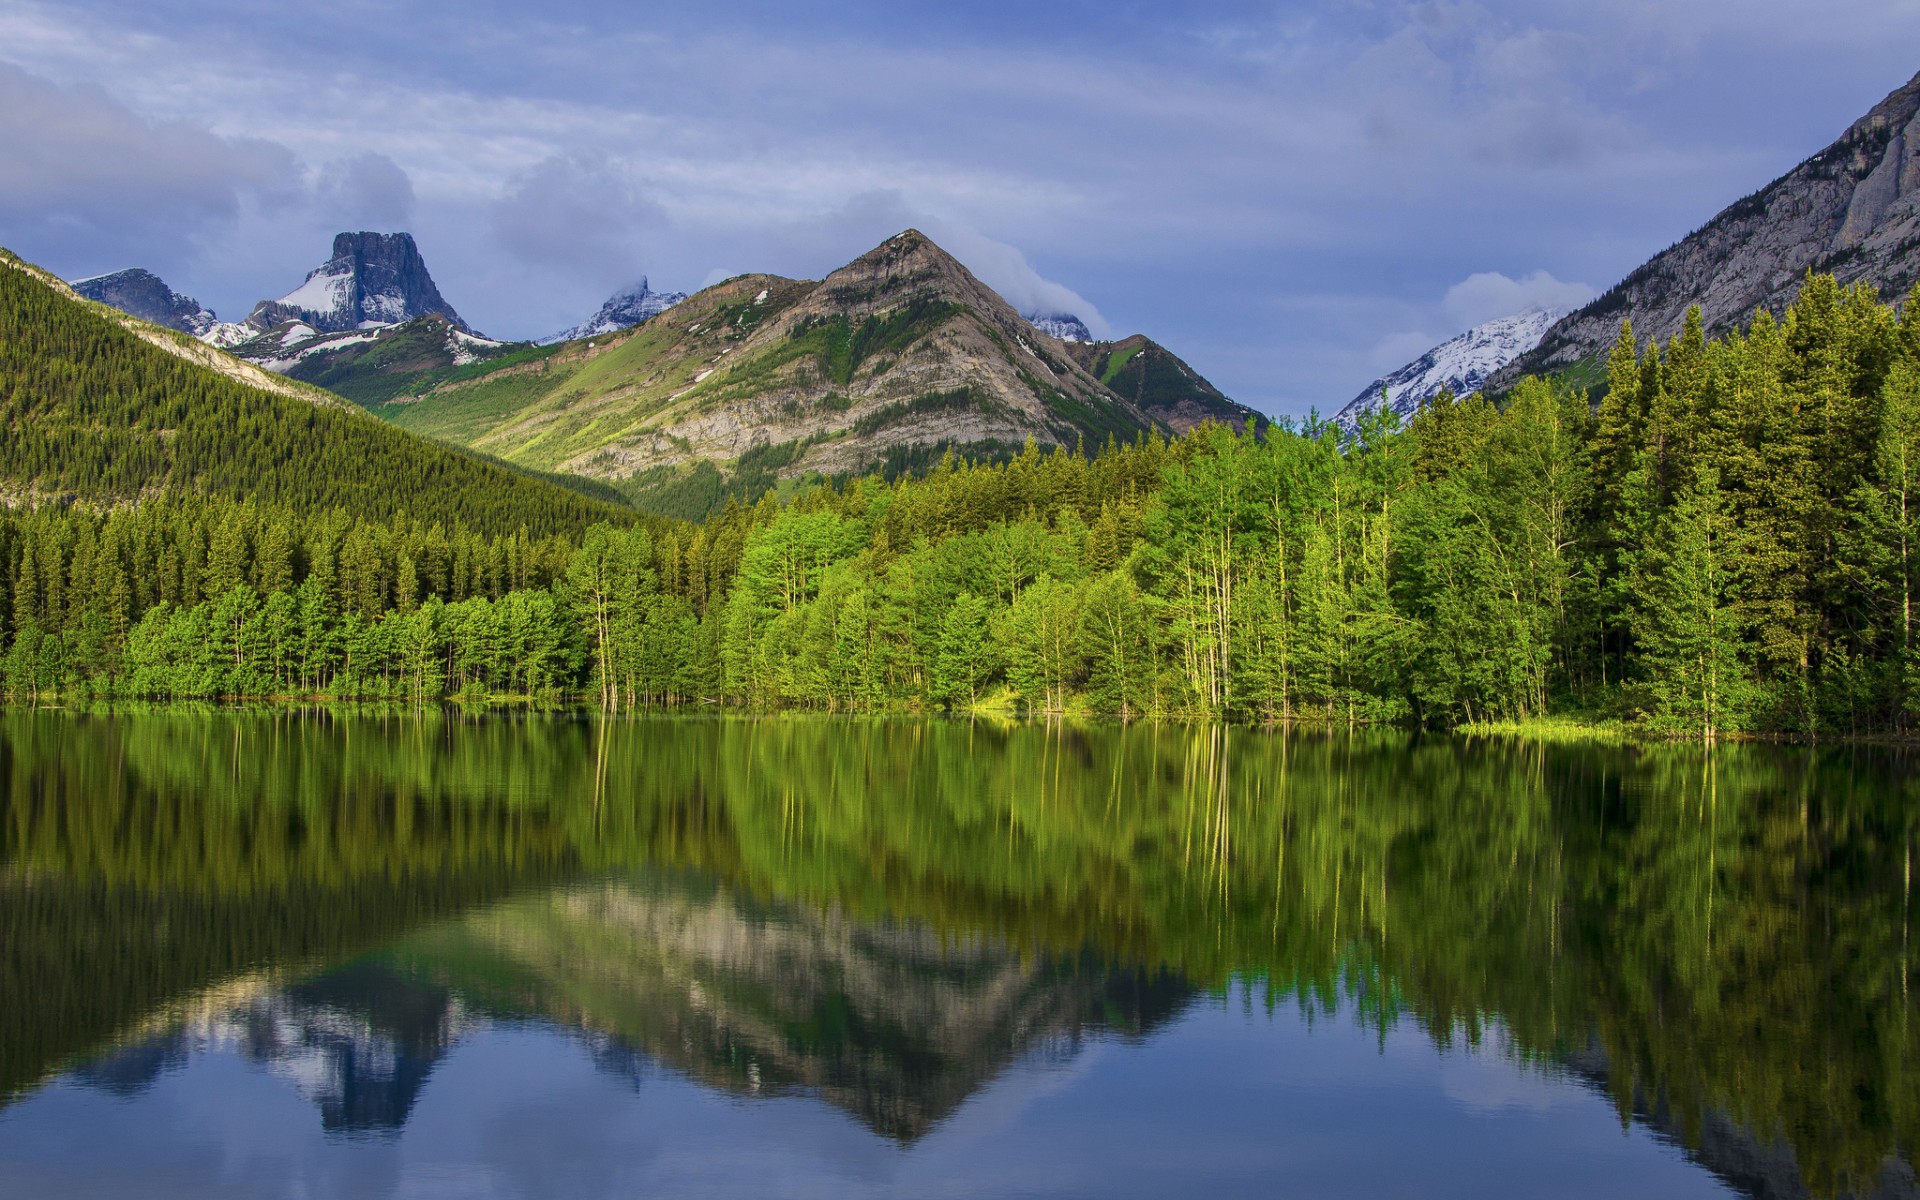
{"points": [[96, 413]]}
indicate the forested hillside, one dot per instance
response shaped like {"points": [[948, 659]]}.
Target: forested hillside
{"points": [[1725, 544], [92, 413]]}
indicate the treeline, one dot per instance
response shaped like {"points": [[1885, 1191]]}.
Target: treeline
{"points": [[1724, 543], [92, 413]]}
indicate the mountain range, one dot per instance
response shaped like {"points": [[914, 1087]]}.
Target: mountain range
{"points": [[1461, 365], [903, 353], [1852, 211], [887, 362]]}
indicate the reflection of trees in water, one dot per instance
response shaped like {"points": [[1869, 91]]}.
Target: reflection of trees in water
{"points": [[1733, 926]]}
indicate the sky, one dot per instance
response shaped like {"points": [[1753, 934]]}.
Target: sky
{"points": [[1294, 197]]}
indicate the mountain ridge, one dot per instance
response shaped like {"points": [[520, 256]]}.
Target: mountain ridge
{"points": [[1851, 210], [1462, 365]]}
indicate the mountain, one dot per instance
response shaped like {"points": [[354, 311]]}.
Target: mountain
{"points": [[1154, 379], [145, 295], [1852, 210], [1461, 365], [1065, 326], [623, 310], [372, 365], [103, 407], [885, 362], [372, 279]]}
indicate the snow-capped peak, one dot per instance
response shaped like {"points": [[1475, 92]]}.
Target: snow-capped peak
{"points": [[623, 310], [371, 280], [1462, 365], [1065, 326]]}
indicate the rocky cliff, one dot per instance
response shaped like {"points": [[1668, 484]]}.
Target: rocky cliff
{"points": [[371, 279], [1853, 210], [145, 295]]}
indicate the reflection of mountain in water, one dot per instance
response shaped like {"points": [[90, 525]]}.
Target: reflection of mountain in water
{"points": [[358, 1042], [891, 1023]]}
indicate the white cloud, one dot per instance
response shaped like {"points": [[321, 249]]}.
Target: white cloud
{"points": [[1489, 295]]}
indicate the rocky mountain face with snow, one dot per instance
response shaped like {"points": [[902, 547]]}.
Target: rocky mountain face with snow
{"points": [[1461, 365], [375, 363], [145, 295], [371, 279], [1852, 210], [623, 310], [1065, 326]]}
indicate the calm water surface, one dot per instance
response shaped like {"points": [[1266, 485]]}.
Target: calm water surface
{"points": [[315, 955]]}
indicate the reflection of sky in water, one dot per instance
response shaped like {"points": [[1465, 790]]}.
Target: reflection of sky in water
{"points": [[1215, 1102]]}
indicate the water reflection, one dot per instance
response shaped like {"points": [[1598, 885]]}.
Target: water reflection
{"points": [[891, 917]]}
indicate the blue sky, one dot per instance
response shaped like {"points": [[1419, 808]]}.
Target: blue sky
{"points": [[1294, 197]]}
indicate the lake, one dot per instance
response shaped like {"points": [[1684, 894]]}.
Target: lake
{"points": [[318, 954]]}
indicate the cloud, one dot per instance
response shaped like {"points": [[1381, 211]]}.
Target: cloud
{"points": [[90, 185], [580, 214], [368, 191], [1489, 295], [1006, 270]]}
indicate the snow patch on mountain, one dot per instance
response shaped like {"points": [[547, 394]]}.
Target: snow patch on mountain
{"points": [[1461, 365], [226, 334], [1065, 326], [623, 310]]}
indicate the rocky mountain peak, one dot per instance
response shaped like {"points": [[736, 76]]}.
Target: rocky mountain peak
{"points": [[623, 310], [371, 279], [908, 266], [1065, 326], [140, 293]]}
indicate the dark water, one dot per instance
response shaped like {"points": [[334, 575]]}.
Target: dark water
{"points": [[317, 955]]}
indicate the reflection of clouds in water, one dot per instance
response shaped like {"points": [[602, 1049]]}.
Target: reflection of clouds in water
{"points": [[1001, 1105], [1491, 1079]]}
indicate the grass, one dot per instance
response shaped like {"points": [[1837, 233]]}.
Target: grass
{"points": [[1557, 730], [1117, 362]]}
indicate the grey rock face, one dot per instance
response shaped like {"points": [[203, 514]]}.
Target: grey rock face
{"points": [[1852, 210], [372, 279], [1065, 326], [145, 295]]}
